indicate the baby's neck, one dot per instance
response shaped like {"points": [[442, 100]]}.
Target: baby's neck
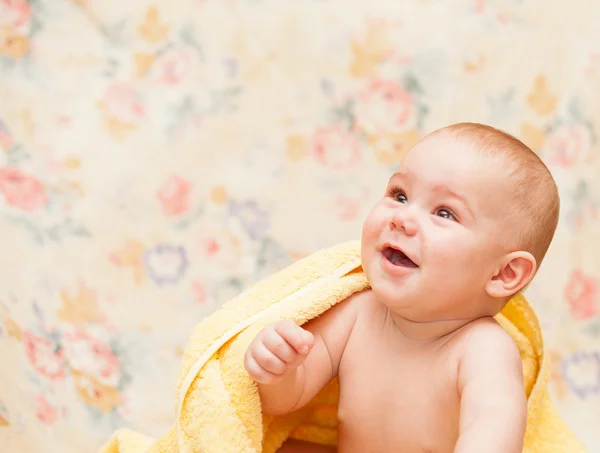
{"points": [[426, 330]]}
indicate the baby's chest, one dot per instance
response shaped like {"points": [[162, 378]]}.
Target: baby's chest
{"points": [[407, 400], [408, 392]]}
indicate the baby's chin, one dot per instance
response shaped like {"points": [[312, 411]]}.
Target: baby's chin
{"points": [[394, 298]]}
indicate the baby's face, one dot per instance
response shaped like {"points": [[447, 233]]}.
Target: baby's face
{"points": [[438, 235]]}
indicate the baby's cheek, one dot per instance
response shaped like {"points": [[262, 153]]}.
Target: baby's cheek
{"points": [[454, 254], [372, 226]]}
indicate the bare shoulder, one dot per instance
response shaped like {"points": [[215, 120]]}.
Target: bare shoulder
{"points": [[335, 325], [486, 335], [333, 328], [344, 312], [490, 387], [485, 348]]}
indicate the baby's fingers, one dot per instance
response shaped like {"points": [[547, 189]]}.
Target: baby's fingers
{"points": [[279, 346], [268, 360], [301, 340], [256, 372]]}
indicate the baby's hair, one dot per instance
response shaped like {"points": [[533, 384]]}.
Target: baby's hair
{"points": [[537, 199]]}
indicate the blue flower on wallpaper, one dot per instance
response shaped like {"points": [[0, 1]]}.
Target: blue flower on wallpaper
{"points": [[582, 372], [5, 137], [166, 264], [254, 220]]}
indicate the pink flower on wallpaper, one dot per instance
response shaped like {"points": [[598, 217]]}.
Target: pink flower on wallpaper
{"points": [[92, 357], [44, 412], [14, 13], [568, 144], [581, 294], [200, 293], [176, 65], [174, 195], [219, 248], [21, 190], [347, 208], [384, 106], [335, 147], [123, 103], [45, 356]]}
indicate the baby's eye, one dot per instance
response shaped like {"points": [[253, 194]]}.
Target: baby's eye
{"points": [[446, 214], [398, 195], [401, 198]]}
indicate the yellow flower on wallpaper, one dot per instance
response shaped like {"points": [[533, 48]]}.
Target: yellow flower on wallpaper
{"points": [[368, 53], [297, 147], [121, 109], [555, 376], [72, 163], [142, 62], [219, 195], [541, 100], [13, 45], [532, 136], [130, 255], [13, 329], [15, 21], [474, 65], [94, 393], [152, 29], [79, 306], [390, 147]]}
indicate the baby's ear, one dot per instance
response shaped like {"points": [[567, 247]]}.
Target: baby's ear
{"points": [[516, 271]]}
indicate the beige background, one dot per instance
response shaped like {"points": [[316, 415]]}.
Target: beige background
{"points": [[157, 158]]}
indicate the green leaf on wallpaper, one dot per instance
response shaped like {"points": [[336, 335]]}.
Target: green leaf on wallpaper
{"points": [[235, 283], [411, 84], [112, 33], [344, 114], [501, 106], [187, 37], [593, 329], [81, 231], [581, 191], [29, 227], [225, 100], [55, 233], [16, 154], [422, 112], [184, 107], [190, 218]]}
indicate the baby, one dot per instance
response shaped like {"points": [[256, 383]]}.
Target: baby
{"points": [[422, 365]]}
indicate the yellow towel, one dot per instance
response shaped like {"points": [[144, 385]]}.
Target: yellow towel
{"points": [[218, 407]]}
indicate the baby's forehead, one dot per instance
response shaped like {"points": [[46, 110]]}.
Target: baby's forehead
{"points": [[445, 153], [458, 167]]}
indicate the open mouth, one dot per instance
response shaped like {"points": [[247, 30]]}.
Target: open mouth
{"points": [[398, 258]]}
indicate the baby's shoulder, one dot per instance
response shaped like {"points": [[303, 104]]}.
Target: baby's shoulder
{"points": [[342, 314], [489, 358], [485, 337]]}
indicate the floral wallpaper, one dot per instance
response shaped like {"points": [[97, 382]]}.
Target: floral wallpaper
{"points": [[156, 158]]}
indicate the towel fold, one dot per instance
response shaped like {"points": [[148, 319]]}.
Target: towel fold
{"points": [[218, 406]]}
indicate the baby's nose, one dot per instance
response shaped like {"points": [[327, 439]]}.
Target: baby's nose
{"points": [[404, 220]]}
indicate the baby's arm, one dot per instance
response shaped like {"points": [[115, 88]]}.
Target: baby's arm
{"points": [[493, 405], [292, 364]]}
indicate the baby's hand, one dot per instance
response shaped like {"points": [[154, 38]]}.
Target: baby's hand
{"points": [[277, 351]]}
